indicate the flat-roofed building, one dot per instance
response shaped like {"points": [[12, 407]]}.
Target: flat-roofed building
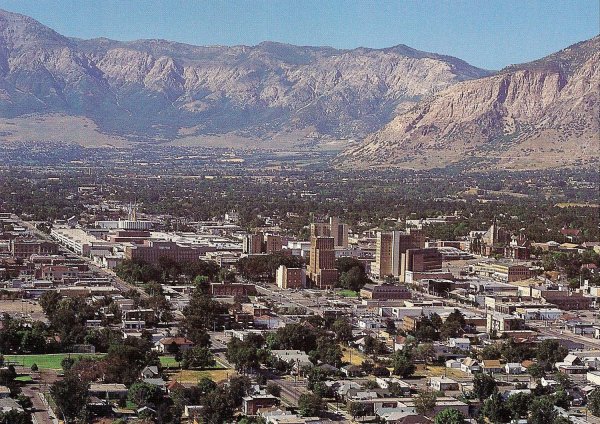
{"points": [[273, 243], [322, 271], [24, 248], [151, 251], [385, 291], [253, 244], [291, 278], [502, 270], [427, 260]]}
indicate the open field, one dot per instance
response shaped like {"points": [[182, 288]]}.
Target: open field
{"points": [[192, 376], [439, 371], [355, 358], [15, 306], [46, 361], [347, 293]]}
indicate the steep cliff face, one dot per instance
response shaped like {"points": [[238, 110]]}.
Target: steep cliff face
{"points": [[154, 88], [544, 113]]}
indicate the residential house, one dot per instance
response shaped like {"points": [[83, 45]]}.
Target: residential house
{"points": [[491, 366], [173, 344], [251, 404], [513, 368], [443, 384], [470, 365]]}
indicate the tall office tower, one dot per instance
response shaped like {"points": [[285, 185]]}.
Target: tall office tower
{"points": [[320, 229], [252, 244], [274, 243], [322, 271], [334, 228], [420, 260], [339, 232], [387, 254]]}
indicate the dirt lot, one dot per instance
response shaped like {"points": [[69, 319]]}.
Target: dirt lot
{"points": [[22, 307]]}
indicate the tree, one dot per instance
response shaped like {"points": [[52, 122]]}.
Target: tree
{"points": [[206, 385], [70, 395], [549, 352], [402, 362], [357, 409], [561, 398], [342, 329], [494, 409], [483, 385], [536, 371], [594, 402], [217, 406], [490, 352], [198, 357], [518, 404], [310, 405], [327, 352], [273, 389], [15, 417], [144, 394], [243, 354], [563, 380], [34, 367], [297, 336], [238, 387], [449, 416], [67, 363], [354, 279], [542, 411], [425, 402]]}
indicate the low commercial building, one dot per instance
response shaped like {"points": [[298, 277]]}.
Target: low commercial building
{"points": [[508, 271], [499, 323], [152, 251], [232, 289], [443, 384], [24, 248], [385, 292]]}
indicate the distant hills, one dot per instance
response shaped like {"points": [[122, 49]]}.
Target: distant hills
{"points": [[398, 106], [155, 89], [541, 114]]}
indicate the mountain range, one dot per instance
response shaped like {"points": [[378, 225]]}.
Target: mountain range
{"points": [[541, 114], [393, 107]]}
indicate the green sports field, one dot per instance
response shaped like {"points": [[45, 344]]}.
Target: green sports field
{"points": [[46, 361]]}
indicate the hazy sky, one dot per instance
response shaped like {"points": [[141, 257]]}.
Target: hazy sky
{"points": [[486, 33]]}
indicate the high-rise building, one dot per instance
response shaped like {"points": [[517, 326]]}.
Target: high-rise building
{"points": [[253, 244], [420, 260], [274, 244], [339, 232], [290, 278], [389, 249], [386, 251], [322, 271]]}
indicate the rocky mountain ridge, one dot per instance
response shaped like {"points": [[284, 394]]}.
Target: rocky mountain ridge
{"points": [[159, 90], [535, 115]]}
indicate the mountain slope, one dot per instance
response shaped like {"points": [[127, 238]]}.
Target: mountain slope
{"points": [[535, 115], [155, 89]]}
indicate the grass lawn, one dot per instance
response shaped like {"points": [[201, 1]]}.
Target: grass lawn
{"points": [[348, 293], [356, 358], [169, 362], [24, 378], [46, 361]]}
